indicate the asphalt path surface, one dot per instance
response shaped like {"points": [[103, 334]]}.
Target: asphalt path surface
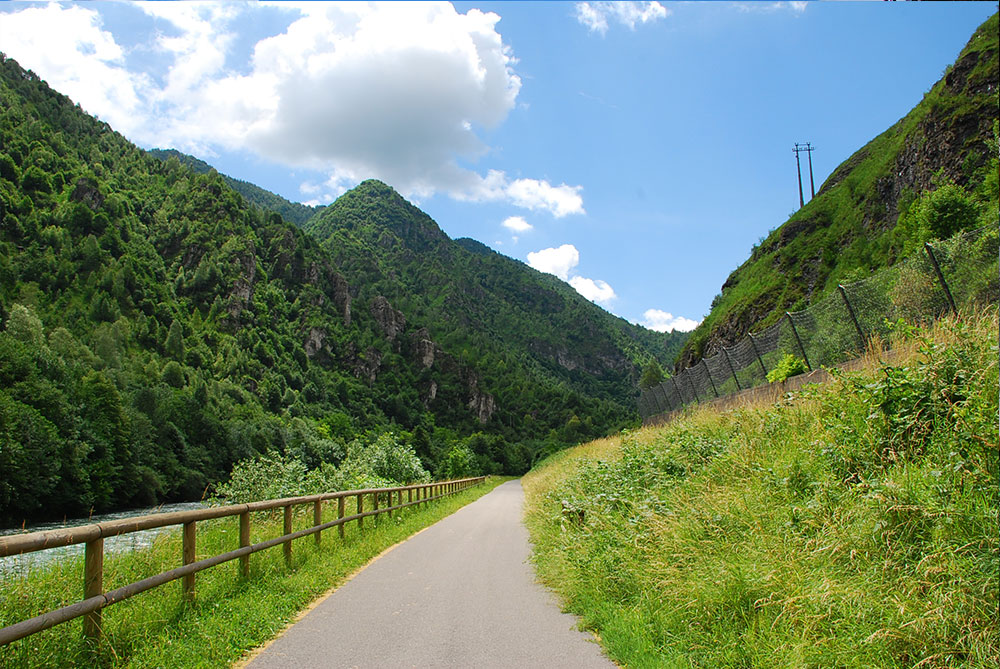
{"points": [[458, 594]]}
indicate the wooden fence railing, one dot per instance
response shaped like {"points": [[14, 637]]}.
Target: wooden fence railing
{"points": [[93, 536]]}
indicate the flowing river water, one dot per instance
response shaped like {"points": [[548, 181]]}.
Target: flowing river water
{"points": [[14, 564]]}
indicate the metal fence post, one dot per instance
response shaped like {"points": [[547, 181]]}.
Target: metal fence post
{"points": [[709, 373], [652, 399], [666, 399], [694, 390], [677, 389], [732, 369], [801, 347], [861, 335], [944, 284], [753, 343]]}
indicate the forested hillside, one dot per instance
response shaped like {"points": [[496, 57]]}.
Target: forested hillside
{"points": [[159, 327], [535, 339], [931, 174], [293, 212]]}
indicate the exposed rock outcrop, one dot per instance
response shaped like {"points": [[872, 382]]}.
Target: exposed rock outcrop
{"points": [[390, 321]]}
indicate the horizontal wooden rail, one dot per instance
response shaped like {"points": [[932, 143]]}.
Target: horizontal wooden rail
{"points": [[93, 535]]}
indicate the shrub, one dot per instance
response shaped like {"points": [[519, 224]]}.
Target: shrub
{"points": [[269, 476], [786, 367]]}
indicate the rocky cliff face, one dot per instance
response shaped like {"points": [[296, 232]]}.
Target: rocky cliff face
{"points": [[389, 320]]}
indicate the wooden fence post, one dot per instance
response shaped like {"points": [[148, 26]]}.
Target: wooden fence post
{"points": [[318, 520], [244, 542], [375, 506], [361, 509], [340, 514], [188, 551], [93, 585], [288, 530]]}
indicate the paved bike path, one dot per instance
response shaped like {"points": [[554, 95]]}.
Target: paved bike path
{"points": [[458, 594]]}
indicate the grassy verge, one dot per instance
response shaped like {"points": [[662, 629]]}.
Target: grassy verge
{"points": [[230, 616], [852, 524]]}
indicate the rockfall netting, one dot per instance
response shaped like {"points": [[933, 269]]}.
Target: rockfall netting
{"points": [[947, 276]]}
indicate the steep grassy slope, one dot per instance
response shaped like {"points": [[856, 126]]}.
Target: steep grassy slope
{"points": [[849, 525], [850, 227]]}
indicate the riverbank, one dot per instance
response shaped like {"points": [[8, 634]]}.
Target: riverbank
{"points": [[125, 542], [230, 615]]}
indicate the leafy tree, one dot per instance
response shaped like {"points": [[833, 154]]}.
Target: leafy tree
{"points": [[458, 463], [25, 326], [652, 375], [174, 344]]}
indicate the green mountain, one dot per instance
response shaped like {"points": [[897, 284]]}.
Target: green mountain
{"points": [[932, 173], [292, 212], [159, 327], [535, 340]]}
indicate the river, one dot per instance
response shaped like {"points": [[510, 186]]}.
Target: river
{"points": [[124, 542]]}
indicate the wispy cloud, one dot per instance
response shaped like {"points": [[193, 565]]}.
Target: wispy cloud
{"points": [[597, 15], [768, 7]]}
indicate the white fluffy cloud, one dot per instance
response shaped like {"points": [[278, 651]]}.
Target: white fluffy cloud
{"points": [[594, 290], [396, 91], [561, 261], [663, 321], [596, 15], [533, 194], [517, 224]]}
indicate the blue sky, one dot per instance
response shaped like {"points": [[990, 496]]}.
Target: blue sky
{"points": [[636, 150]]}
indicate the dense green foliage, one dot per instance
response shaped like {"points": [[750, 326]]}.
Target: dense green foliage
{"points": [[849, 525], [546, 354], [930, 175], [159, 327], [789, 365], [293, 212], [382, 464]]}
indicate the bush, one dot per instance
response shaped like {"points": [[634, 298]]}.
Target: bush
{"points": [[788, 366], [269, 476]]}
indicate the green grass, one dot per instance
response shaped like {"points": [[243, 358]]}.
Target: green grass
{"points": [[851, 525], [230, 616]]}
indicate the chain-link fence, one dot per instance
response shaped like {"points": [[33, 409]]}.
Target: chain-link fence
{"points": [[946, 277]]}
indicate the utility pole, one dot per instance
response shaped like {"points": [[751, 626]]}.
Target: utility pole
{"points": [[798, 169], [808, 148], [812, 188]]}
